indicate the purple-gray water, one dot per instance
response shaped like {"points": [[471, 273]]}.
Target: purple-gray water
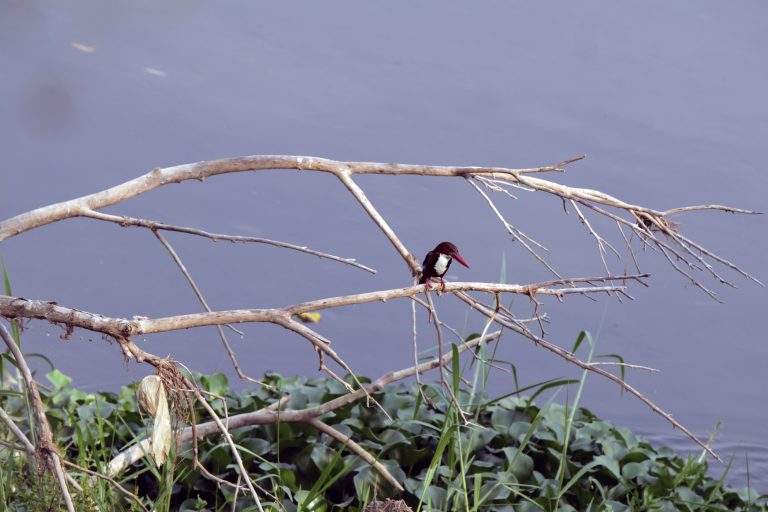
{"points": [[666, 99]]}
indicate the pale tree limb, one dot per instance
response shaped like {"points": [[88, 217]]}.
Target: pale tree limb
{"points": [[46, 448], [125, 221], [18, 307], [355, 190], [85, 205]]}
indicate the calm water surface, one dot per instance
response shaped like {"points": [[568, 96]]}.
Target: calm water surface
{"points": [[667, 99]]}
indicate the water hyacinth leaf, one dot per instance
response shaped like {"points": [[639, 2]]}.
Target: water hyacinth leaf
{"points": [[501, 419], [518, 463], [58, 379], [322, 456], [635, 469], [216, 383], [609, 464]]}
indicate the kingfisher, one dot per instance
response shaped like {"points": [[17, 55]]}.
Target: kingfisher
{"points": [[437, 261]]}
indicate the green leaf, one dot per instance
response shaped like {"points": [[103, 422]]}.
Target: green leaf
{"points": [[579, 339], [58, 379], [216, 383], [519, 464], [635, 469], [611, 464]]}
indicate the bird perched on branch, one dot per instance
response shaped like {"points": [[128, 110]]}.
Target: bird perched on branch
{"points": [[437, 261]]}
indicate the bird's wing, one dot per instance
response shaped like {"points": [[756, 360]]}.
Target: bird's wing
{"points": [[428, 266]]}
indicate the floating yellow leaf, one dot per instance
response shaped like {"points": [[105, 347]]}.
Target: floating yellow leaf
{"points": [[310, 317]]}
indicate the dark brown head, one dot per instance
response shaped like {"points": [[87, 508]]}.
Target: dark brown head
{"points": [[451, 250]]}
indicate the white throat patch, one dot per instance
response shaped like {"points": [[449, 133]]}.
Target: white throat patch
{"points": [[442, 264]]}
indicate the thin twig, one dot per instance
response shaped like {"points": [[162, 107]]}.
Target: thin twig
{"points": [[199, 294], [568, 356], [356, 449], [443, 382], [28, 447], [625, 365], [160, 226], [729, 209], [516, 233], [109, 479], [410, 260], [228, 439], [45, 447]]}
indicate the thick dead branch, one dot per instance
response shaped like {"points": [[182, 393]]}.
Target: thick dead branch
{"points": [[522, 178], [18, 307]]}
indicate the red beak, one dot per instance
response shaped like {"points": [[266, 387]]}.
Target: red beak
{"points": [[458, 258]]}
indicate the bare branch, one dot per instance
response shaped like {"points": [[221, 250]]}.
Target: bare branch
{"points": [[109, 479], [625, 365], [159, 226], [199, 294], [46, 448], [28, 447], [601, 242], [230, 442], [410, 259], [729, 209], [516, 233], [443, 382], [17, 307], [356, 449], [85, 205]]}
